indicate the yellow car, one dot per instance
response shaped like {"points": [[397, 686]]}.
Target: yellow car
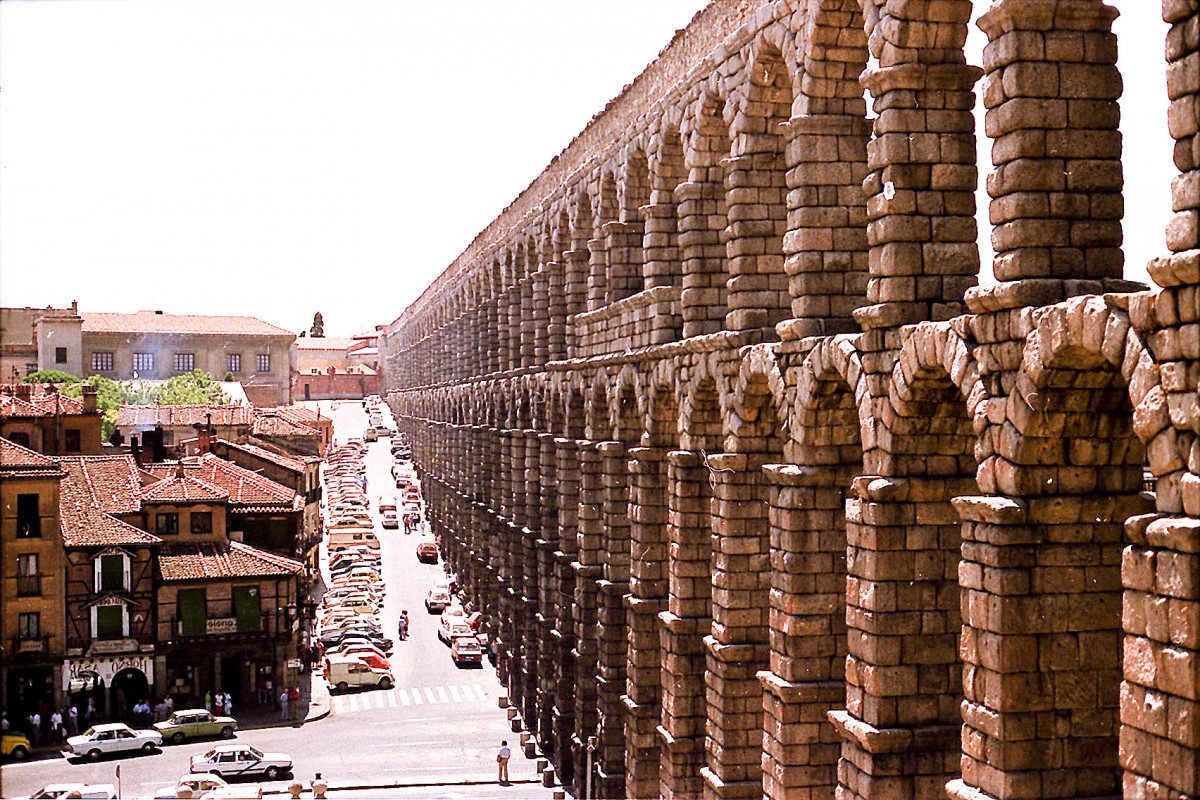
{"points": [[15, 746]]}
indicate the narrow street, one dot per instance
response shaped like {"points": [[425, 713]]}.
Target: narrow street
{"points": [[436, 731]]}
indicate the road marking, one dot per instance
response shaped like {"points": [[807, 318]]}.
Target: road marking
{"points": [[404, 701], [445, 698], [429, 695], [454, 693], [481, 692], [417, 697], [391, 696]]}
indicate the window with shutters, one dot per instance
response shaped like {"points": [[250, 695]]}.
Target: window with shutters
{"points": [[29, 625], [247, 608], [200, 522], [72, 440], [192, 612], [108, 622], [112, 573], [29, 577]]}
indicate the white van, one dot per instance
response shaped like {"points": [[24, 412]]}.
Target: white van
{"points": [[342, 672], [341, 538], [387, 503]]}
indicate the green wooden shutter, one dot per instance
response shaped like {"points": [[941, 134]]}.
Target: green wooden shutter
{"points": [[247, 608], [112, 573], [108, 622], [192, 612]]}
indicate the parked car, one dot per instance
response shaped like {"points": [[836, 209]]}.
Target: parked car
{"points": [[86, 791], [437, 599], [14, 745], [370, 435], [427, 552], [113, 737], [390, 520], [342, 672], [192, 723], [199, 784], [466, 650], [239, 760], [453, 627]]}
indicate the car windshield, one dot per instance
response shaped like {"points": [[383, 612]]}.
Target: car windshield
{"points": [[256, 754], [90, 732]]}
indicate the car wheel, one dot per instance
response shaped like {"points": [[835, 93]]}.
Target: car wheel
{"points": [[342, 686], [227, 732], [148, 747], [20, 753], [177, 737], [385, 683], [93, 755], [272, 773]]}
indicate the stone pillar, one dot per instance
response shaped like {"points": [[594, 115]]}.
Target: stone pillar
{"points": [[510, 322], [825, 248], [555, 332], [685, 623], [903, 679], [703, 299], [588, 571], [613, 632], [808, 632], [563, 635], [536, 323], [597, 278], [737, 648], [547, 614], [921, 190], [647, 599], [758, 287], [1160, 701], [530, 592], [575, 297], [660, 243], [1051, 92], [1041, 657]]}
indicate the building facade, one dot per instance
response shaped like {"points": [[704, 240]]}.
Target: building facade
{"points": [[153, 345], [40, 417], [763, 492]]}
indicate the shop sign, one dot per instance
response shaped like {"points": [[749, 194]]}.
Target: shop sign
{"points": [[221, 625], [82, 669]]}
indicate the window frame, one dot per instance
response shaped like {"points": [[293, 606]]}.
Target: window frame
{"points": [[163, 517], [98, 572], [233, 363], [101, 358], [60, 355], [95, 614], [206, 527], [24, 563], [73, 440], [261, 359], [188, 358], [24, 629], [143, 362], [34, 523]]}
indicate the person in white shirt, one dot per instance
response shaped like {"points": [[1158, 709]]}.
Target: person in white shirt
{"points": [[56, 726], [502, 758]]}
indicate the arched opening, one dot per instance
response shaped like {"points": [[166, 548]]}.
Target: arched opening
{"points": [[128, 688], [702, 222], [661, 243], [624, 240]]}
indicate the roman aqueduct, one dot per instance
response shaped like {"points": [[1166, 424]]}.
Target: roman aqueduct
{"points": [[765, 493]]}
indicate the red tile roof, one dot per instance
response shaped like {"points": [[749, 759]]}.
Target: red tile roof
{"points": [[293, 463], [17, 459], [284, 421], [96, 488], [39, 403], [246, 489], [215, 560], [168, 416], [153, 322], [186, 489]]}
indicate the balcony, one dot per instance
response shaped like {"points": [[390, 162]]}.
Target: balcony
{"points": [[29, 586], [32, 647]]}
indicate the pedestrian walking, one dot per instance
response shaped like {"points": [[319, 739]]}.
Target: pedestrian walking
{"points": [[294, 698], [502, 758], [208, 702], [89, 715], [4, 723], [56, 726], [35, 728], [402, 625], [73, 720], [283, 704]]}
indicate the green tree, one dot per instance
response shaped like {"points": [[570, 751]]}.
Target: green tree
{"points": [[192, 388], [318, 326], [50, 376], [110, 395]]}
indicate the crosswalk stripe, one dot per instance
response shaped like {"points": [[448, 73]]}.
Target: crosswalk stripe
{"points": [[429, 695], [479, 690], [445, 698], [416, 695], [403, 697], [391, 696], [454, 693], [379, 701]]}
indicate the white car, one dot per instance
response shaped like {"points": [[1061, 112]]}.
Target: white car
{"points": [[200, 784], [113, 737], [87, 791], [237, 760]]}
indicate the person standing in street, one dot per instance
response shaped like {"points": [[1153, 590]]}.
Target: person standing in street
{"points": [[283, 704], [294, 701], [502, 758]]}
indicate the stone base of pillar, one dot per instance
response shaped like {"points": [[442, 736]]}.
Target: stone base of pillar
{"points": [[642, 754], [608, 786], [897, 762], [801, 747], [679, 771], [717, 789]]}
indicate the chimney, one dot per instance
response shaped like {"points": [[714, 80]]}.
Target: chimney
{"points": [[89, 399], [135, 450], [180, 472], [24, 391]]}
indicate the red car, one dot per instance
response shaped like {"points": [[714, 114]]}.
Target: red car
{"points": [[427, 552]]}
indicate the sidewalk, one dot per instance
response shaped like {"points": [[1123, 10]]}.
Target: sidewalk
{"points": [[314, 705]]}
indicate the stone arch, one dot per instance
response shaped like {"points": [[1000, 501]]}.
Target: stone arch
{"points": [[834, 43], [599, 417], [758, 411], [704, 217], [667, 172]]}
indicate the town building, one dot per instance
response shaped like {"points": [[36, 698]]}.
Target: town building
{"points": [[18, 339], [42, 418], [178, 423], [154, 345], [33, 634], [110, 654], [328, 368], [295, 429]]}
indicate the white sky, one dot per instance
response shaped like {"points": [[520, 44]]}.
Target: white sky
{"points": [[279, 157]]}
